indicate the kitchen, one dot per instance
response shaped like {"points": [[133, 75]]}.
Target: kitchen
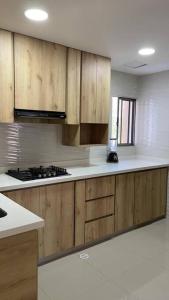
{"points": [[84, 150]]}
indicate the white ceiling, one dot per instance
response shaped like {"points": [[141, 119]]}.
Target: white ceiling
{"points": [[115, 28]]}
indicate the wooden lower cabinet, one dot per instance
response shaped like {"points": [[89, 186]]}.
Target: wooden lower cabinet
{"points": [[99, 208], [94, 209], [124, 203], [99, 229], [18, 266], [55, 204], [150, 195], [85, 211], [100, 187]]}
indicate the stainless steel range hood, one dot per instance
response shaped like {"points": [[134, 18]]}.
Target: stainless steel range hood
{"points": [[41, 114]]}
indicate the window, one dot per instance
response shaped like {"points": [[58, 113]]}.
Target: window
{"points": [[123, 120]]}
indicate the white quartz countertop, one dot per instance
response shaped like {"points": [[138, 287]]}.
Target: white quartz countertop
{"points": [[8, 183], [18, 219]]}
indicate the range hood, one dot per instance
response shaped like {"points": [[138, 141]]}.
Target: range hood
{"points": [[26, 113]]}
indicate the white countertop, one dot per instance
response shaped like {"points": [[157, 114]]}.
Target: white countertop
{"points": [[8, 183], [18, 219]]}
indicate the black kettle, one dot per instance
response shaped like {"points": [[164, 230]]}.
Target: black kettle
{"points": [[112, 157]]}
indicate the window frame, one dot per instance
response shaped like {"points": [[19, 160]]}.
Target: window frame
{"points": [[133, 100]]}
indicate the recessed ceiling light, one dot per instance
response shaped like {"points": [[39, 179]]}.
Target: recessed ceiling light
{"points": [[36, 14], [146, 51]]}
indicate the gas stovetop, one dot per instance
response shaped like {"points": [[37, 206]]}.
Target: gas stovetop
{"points": [[37, 173]]}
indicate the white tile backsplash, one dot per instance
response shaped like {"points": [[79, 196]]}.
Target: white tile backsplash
{"points": [[34, 144]]}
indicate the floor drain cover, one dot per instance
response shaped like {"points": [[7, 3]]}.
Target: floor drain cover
{"points": [[84, 256]]}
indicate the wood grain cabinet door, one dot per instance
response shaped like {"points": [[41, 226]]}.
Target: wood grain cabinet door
{"points": [[159, 192], [103, 89], [6, 77], [150, 195], [143, 198], [40, 74], [95, 88], [57, 206], [124, 202], [73, 86]]}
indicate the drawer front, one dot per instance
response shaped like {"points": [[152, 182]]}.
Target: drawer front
{"points": [[99, 229], [99, 208], [100, 187]]}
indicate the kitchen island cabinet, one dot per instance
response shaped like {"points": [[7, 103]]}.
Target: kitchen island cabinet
{"points": [[55, 204]]}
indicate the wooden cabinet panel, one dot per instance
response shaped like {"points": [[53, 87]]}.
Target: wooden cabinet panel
{"points": [[58, 213], [103, 89], [143, 199], [80, 216], [30, 199], [150, 195], [99, 229], [6, 77], [88, 88], [159, 192], [55, 204], [18, 266], [40, 74], [100, 187], [73, 86], [95, 89], [124, 202], [99, 208]]}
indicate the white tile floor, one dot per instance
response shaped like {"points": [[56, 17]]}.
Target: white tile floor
{"points": [[133, 266]]}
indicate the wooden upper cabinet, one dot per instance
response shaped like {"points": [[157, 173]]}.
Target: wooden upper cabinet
{"points": [[95, 88], [6, 77], [40, 74], [73, 86]]}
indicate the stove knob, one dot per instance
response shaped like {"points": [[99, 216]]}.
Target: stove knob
{"points": [[54, 173], [49, 174], [44, 175], [39, 176]]}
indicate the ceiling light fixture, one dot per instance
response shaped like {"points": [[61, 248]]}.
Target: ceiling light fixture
{"points": [[36, 14], [146, 51]]}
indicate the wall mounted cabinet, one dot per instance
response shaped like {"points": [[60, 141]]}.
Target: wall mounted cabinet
{"points": [[95, 88], [73, 86], [6, 77], [85, 134], [52, 77], [40, 74]]}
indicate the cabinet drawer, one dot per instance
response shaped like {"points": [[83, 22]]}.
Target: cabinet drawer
{"points": [[100, 187], [99, 229], [99, 208]]}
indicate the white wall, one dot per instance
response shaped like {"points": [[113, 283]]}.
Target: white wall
{"points": [[124, 85], [152, 129]]}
